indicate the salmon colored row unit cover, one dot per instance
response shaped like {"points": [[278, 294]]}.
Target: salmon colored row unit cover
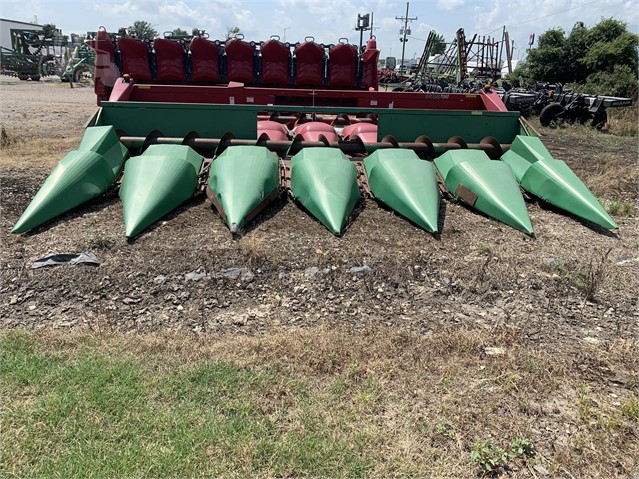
{"points": [[274, 63]]}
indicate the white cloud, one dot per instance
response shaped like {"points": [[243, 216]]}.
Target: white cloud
{"points": [[244, 19], [449, 5], [124, 8]]}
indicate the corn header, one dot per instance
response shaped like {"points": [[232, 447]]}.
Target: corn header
{"points": [[245, 122]]}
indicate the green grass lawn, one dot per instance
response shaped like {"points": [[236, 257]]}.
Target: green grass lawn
{"points": [[92, 415], [333, 403]]}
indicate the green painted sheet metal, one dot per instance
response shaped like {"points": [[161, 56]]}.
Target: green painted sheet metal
{"points": [[242, 177], [81, 175], [400, 179], [157, 182], [325, 182], [212, 121], [553, 181], [487, 185], [439, 126]]}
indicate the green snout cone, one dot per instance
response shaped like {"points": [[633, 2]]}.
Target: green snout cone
{"points": [[492, 182], [157, 182], [241, 177], [325, 182], [81, 175], [553, 181], [405, 183]]}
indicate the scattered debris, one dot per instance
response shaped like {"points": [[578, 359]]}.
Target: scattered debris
{"points": [[61, 258], [195, 275]]}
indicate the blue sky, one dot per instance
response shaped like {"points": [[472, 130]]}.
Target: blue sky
{"points": [[329, 20]]}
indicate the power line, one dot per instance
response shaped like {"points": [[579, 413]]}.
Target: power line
{"points": [[546, 16]]}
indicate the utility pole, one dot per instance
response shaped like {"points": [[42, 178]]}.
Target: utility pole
{"points": [[363, 24], [372, 27], [405, 31]]}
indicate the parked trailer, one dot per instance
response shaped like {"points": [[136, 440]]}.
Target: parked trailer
{"points": [[245, 122]]}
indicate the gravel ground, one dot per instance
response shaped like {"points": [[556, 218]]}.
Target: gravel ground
{"points": [[290, 272]]}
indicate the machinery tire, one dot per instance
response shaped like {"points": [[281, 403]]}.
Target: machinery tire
{"points": [[599, 120], [78, 75], [35, 77], [549, 113], [583, 116], [45, 68]]}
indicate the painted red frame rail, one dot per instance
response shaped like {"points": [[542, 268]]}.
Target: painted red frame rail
{"points": [[237, 93]]}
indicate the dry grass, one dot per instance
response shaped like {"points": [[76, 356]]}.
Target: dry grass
{"points": [[416, 404], [624, 121], [607, 173], [18, 150]]}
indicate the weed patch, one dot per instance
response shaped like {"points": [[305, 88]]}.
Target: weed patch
{"points": [[492, 459]]}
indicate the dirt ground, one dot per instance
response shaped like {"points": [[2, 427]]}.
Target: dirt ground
{"points": [[477, 271]]}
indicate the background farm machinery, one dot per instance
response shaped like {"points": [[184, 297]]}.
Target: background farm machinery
{"points": [[36, 54], [555, 106], [467, 66], [245, 122], [33, 54]]}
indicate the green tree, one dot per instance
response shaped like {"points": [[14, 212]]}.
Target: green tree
{"points": [[575, 48], [50, 30], [610, 48], [179, 31], [602, 59], [230, 33], [439, 44], [548, 59], [142, 30]]}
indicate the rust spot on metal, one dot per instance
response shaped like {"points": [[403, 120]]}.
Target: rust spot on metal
{"points": [[466, 195]]}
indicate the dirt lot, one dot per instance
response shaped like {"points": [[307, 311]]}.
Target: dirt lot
{"points": [[478, 271], [571, 288]]}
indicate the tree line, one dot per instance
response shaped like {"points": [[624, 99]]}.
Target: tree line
{"points": [[146, 31], [598, 60]]}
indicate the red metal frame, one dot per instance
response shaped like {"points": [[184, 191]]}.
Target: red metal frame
{"points": [[237, 93]]}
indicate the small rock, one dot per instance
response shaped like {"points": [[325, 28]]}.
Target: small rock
{"points": [[552, 261], [159, 279], [195, 275], [360, 270], [541, 469], [235, 273], [240, 320], [494, 351], [311, 272]]}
